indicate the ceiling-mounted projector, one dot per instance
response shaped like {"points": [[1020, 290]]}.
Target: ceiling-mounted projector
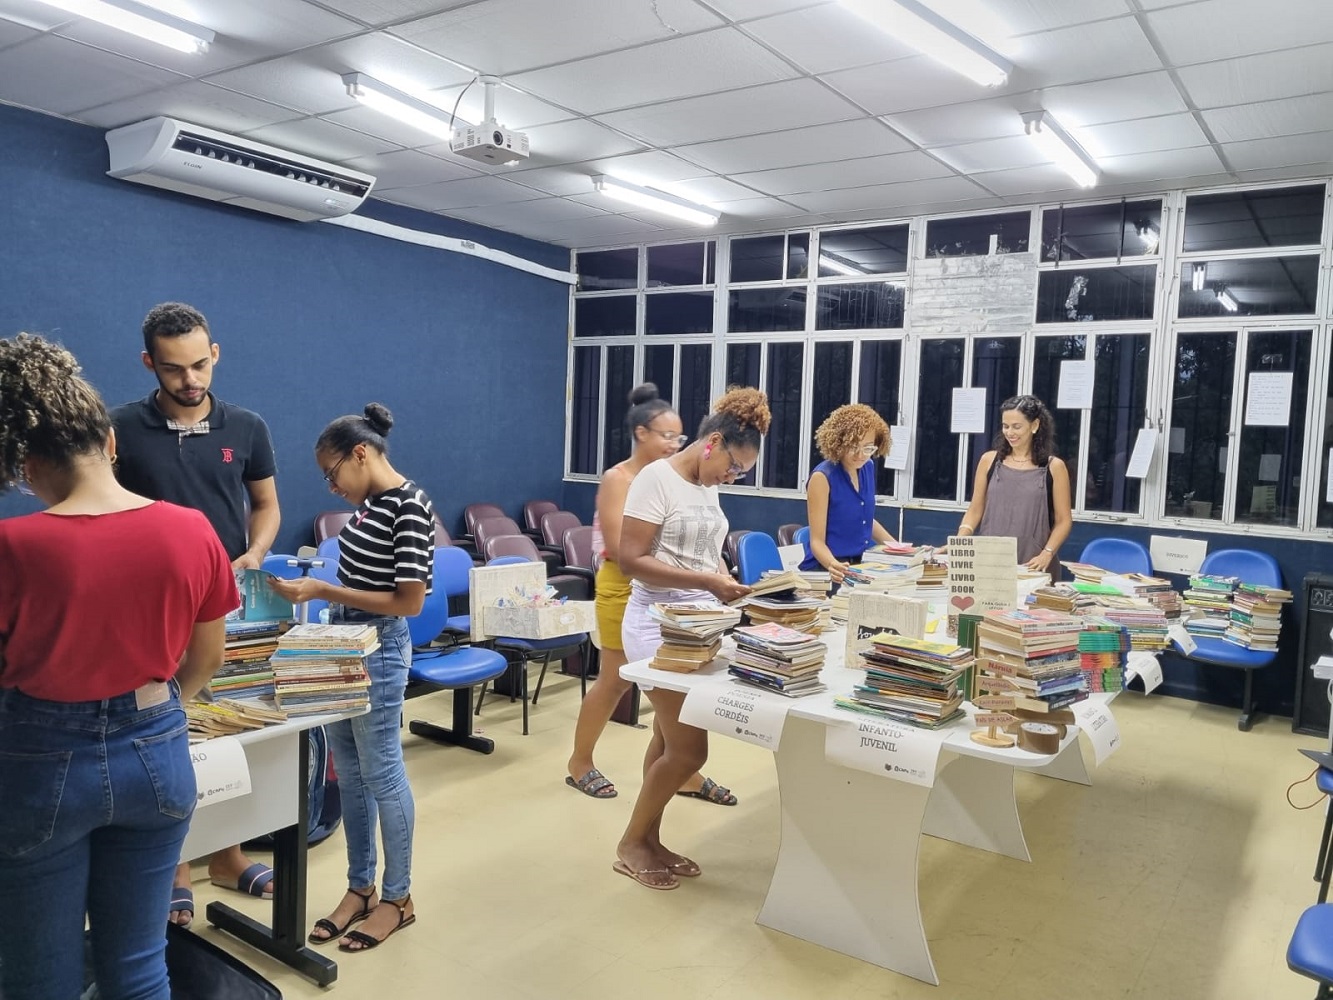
{"points": [[489, 141]]}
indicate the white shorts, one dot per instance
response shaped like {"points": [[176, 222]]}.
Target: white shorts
{"points": [[640, 635]]}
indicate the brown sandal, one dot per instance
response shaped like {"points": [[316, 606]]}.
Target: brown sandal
{"points": [[333, 930], [364, 942], [664, 880]]}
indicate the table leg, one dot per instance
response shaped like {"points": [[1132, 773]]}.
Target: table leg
{"points": [[973, 803], [846, 872], [285, 941], [1067, 765]]}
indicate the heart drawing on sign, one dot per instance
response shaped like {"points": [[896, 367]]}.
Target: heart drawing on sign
{"points": [[962, 602]]}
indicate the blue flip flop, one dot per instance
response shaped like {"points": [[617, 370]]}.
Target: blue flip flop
{"points": [[182, 901], [257, 880]]}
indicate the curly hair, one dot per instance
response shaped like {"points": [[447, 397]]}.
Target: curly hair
{"points": [[172, 319], [843, 430], [47, 409], [1043, 441], [741, 416]]}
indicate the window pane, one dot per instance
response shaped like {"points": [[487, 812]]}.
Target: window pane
{"points": [[619, 382], [612, 316], [1119, 403], [936, 446], [1087, 232], [875, 250], [832, 386], [1096, 293], [659, 362], [877, 387], [782, 446], [1238, 220], [603, 269], [1265, 286], [972, 236], [583, 434], [995, 369], [710, 262], [676, 264], [766, 310], [874, 305], [1268, 478], [1048, 354], [798, 255], [678, 312], [1200, 419], [757, 258], [1325, 516], [743, 369], [696, 374]]}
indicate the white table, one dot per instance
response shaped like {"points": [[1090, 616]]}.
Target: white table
{"points": [[846, 872], [278, 803]]}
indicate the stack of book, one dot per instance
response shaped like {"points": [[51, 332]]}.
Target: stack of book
{"points": [[246, 671], [1256, 616], [1085, 572], [786, 598], [1209, 601], [691, 633], [777, 658], [1146, 622], [910, 680], [1036, 652], [1061, 597], [1152, 589], [322, 668], [896, 555], [227, 717], [1103, 646]]}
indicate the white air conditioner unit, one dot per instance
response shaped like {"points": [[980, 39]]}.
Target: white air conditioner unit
{"points": [[166, 153]]}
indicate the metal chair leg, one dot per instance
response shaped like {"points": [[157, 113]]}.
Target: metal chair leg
{"points": [[480, 697], [1246, 719], [1323, 843], [546, 660], [523, 668]]}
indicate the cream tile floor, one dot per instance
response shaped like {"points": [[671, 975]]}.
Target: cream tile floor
{"points": [[1179, 874]]}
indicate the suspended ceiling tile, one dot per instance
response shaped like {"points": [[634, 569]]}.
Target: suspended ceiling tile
{"points": [[471, 192], [577, 140], [596, 230], [708, 190], [361, 118], [1117, 100], [711, 62], [893, 199], [993, 154], [1267, 77], [1085, 52], [34, 14], [908, 84], [316, 137], [513, 108], [193, 102], [548, 211], [1046, 179], [652, 168], [400, 168], [795, 147], [382, 12], [506, 37], [1172, 163], [61, 77], [1314, 148], [960, 123], [1225, 29], [1144, 135], [890, 169], [1291, 116], [12, 33], [825, 39], [742, 10], [390, 60], [1026, 16], [298, 81], [786, 105], [758, 208], [565, 180]]}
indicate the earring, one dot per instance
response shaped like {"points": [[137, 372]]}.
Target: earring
{"points": [[708, 450]]}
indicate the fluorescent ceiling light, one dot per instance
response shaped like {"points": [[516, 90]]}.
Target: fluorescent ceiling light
{"points": [[656, 201], [1199, 279], [140, 19], [835, 263], [920, 27], [1228, 301], [400, 106], [1060, 147]]}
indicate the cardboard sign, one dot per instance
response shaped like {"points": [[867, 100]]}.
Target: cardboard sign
{"points": [[902, 752], [983, 576], [737, 710], [1181, 637], [989, 719], [1143, 664], [870, 612], [1140, 459], [1095, 719], [1176, 555], [220, 770]]}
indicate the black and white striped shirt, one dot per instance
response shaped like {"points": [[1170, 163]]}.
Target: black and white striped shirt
{"points": [[389, 540]]}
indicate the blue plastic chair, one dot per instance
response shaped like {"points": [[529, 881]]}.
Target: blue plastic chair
{"points": [[285, 567], [1323, 866], [458, 669], [1310, 952], [756, 554], [1119, 555], [1249, 566], [521, 652]]}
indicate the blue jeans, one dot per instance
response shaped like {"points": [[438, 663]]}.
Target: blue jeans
{"points": [[368, 755], [97, 798]]}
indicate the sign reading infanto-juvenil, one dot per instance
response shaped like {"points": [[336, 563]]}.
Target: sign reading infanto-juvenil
{"points": [[884, 748], [983, 576]]}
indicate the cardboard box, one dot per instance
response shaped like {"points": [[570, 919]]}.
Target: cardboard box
{"points": [[540, 623]]}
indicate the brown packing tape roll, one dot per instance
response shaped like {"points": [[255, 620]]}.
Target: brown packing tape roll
{"points": [[1012, 728], [1039, 737]]}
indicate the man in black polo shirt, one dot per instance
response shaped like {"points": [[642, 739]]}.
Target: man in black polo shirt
{"points": [[182, 444]]}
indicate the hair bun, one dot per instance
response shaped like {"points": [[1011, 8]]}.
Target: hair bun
{"points": [[379, 418], [644, 393]]}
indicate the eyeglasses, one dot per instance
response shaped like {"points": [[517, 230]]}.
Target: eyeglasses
{"points": [[868, 449], [735, 470], [332, 474], [680, 439]]}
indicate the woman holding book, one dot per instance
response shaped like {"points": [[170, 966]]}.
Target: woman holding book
{"points": [[671, 547], [111, 616], [840, 496], [385, 558], [656, 431], [1021, 489]]}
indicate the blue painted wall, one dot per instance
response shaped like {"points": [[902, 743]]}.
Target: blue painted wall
{"points": [[313, 320], [1274, 687]]}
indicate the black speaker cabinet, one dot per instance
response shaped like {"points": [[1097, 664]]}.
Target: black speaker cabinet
{"points": [[1311, 714]]}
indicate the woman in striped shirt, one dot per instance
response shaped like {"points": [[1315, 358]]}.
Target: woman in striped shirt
{"points": [[386, 552]]}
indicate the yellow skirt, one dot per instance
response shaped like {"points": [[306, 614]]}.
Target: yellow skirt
{"points": [[613, 588]]}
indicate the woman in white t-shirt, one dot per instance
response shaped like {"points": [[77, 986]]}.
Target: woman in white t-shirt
{"points": [[671, 547]]}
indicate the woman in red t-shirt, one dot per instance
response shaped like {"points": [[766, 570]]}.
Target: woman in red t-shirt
{"points": [[111, 615]]}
